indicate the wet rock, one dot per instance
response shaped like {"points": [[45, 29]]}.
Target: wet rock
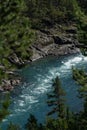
{"points": [[15, 82], [9, 85], [1, 89]]}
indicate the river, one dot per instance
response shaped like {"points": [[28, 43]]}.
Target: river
{"points": [[31, 96]]}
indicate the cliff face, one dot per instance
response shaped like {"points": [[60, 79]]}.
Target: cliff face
{"points": [[55, 41]]}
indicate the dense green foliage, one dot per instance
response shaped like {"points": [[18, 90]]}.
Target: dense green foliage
{"points": [[47, 13], [83, 4], [15, 33], [57, 11], [4, 107], [81, 77]]}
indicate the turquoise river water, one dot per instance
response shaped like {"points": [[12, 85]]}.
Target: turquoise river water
{"points": [[31, 95]]}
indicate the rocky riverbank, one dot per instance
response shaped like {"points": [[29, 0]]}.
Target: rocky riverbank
{"points": [[10, 83], [55, 41]]}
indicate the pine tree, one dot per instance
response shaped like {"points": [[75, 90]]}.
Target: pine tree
{"points": [[32, 123], [56, 99], [4, 107]]}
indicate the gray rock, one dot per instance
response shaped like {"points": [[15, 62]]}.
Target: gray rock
{"points": [[50, 42]]}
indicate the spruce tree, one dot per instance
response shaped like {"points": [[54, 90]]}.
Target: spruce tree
{"points": [[57, 99]]}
